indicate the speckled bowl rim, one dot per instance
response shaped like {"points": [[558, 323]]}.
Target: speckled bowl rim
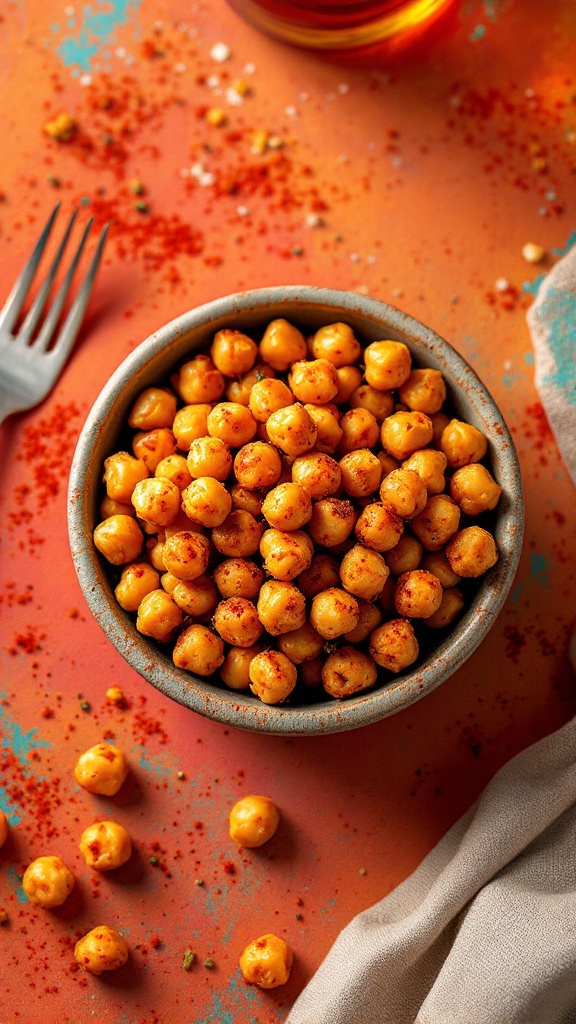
{"points": [[309, 307]]}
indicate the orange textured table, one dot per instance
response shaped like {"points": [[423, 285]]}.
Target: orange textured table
{"points": [[417, 182]]}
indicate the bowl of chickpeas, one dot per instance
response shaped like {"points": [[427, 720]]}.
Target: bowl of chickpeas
{"points": [[295, 510]]}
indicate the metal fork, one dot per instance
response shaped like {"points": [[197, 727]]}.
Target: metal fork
{"points": [[29, 364]]}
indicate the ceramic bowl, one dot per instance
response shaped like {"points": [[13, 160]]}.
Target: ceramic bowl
{"points": [[309, 308]]}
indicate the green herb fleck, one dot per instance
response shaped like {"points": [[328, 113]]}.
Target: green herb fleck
{"points": [[141, 206], [153, 860], [85, 705], [209, 964], [53, 180], [188, 959]]}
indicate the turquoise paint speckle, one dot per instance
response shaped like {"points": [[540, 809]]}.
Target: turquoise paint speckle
{"points": [[533, 287], [571, 241], [540, 569], [95, 30], [15, 882], [155, 765], [478, 33], [219, 1013], [509, 379], [529, 358]]}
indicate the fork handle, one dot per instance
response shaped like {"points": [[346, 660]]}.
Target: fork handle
{"points": [[8, 405]]}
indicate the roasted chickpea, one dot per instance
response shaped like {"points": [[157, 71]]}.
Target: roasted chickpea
{"points": [[287, 506], [349, 379], [437, 522], [439, 423], [190, 423], [292, 429], [239, 535], [281, 607], [257, 466], [424, 391], [109, 507], [156, 500], [437, 563], [198, 381], [236, 620], [119, 539], [272, 677], [154, 407], [247, 501], [238, 577], [154, 445], [170, 582], [387, 463], [282, 344], [158, 616], [206, 501], [155, 551], [268, 396], [393, 645], [267, 962], [430, 466], [174, 468], [232, 423], [404, 492], [253, 821], [348, 671], [450, 607], [122, 472], [361, 473], [406, 556], [318, 473], [185, 554], [3, 828], [233, 353], [418, 594], [101, 949], [379, 527], [286, 554], [47, 882], [474, 489], [235, 669], [137, 580], [359, 430], [105, 845], [332, 521], [101, 769], [334, 612], [386, 599], [195, 597], [462, 443], [302, 644], [363, 572], [322, 573], [198, 650], [337, 343], [387, 364], [209, 456], [370, 617], [239, 390], [313, 380], [310, 673], [379, 403], [472, 551], [329, 432], [404, 432]]}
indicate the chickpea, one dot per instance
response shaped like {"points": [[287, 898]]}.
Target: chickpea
{"points": [[253, 821], [439, 423], [105, 845], [101, 769], [238, 577], [268, 396], [386, 599], [424, 391], [154, 445], [405, 432], [109, 507], [292, 429], [235, 669], [418, 594], [47, 882], [257, 466], [137, 580], [387, 463], [209, 456], [158, 616], [404, 492], [430, 466], [310, 673], [122, 472], [387, 364], [239, 535], [170, 582], [363, 572], [474, 489], [156, 500], [239, 390], [236, 620], [247, 501], [348, 671], [437, 522], [313, 380], [206, 501], [286, 554], [233, 353], [119, 539], [101, 949], [287, 506], [349, 379], [282, 344], [332, 521], [155, 552], [361, 473], [301, 644], [337, 343], [462, 443], [322, 573], [3, 828], [154, 407], [450, 607], [334, 612], [370, 617], [198, 381], [190, 423], [198, 650], [406, 556], [186, 554], [281, 607], [174, 468], [437, 563], [379, 403], [393, 645], [329, 432], [272, 677], [378, 527], [472, 551], [359, 430], [232, 423], [195, 597], [318, 473]]}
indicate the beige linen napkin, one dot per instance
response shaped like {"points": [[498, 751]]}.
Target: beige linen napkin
{"points": [[484, 931]]}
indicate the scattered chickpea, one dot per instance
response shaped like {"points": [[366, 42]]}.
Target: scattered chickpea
{"points": [[4, 828], [114, 695], [105, 845], [253, 821], [47, 882], [101, 769], [101, 949], [266, 962]]}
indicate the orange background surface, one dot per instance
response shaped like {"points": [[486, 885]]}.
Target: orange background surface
{"points": [[428, 174]]}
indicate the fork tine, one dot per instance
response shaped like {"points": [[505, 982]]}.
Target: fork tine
{"points": [[15, 300], [71, 325], [49, 326], [34, 313]]}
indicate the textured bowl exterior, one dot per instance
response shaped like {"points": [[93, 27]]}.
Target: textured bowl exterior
{"points": [[310, 308]]}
